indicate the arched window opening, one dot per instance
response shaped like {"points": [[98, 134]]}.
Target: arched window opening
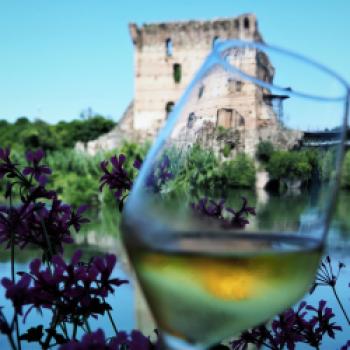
{"points": [[169, 107], [191, 119], [234, 85], [177, 72], [236, 24], [246, 23], [200, 91], [241, 121], [169, 47], [215, 41], [224, 118]]}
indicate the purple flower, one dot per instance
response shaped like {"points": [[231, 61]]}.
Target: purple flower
{"points": [[76, 290], [39, 172], [286, 329], [18, 293], [76, 219], [97, 341], [11, 222], [6, 165], [307, 325], [239, 218], [105, 267], [323, 319], [159, 175], [137, 163], [135, 341], [118, 180], [229, 217], [35, 223], [138, 341], [346, 346], [325, 275], [5, 155], [209, 207]]}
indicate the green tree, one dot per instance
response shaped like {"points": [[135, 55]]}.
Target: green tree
{"points": [[199, 169], [264, 151], [287, 165], [327, 165], [345, 175], [25, 134], [239, 172]]}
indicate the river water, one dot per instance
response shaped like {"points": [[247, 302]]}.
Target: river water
{"points": [[129, 311]]}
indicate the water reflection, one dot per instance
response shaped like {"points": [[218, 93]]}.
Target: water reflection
{"points": [[93, 240], [129, 309]]}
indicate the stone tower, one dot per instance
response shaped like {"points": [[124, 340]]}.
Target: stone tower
{"points": [[167, 55]]}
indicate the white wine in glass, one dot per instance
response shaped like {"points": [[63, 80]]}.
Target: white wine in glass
{"points": [[256, 124]]}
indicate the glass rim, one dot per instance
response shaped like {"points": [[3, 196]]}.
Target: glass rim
{"points": [[222, 45], [215, 58]]}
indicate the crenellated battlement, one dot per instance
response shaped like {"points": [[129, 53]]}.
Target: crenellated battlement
{"points": [[194, 33]]}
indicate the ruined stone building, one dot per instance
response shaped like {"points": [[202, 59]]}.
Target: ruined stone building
{"points": [[166, 57]]}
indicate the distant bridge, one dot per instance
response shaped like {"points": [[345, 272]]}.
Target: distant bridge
{"points": [[323, 139]]}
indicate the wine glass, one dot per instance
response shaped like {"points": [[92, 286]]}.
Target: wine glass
{"points": [[227, 219]]}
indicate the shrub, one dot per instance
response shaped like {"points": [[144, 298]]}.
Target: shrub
{"points": [[327, 165], [200, 169], [77, 189], [239, 172], [226, 150], [264, 151], [289, 166], [345, 176], [133, 151], [222, 132]]}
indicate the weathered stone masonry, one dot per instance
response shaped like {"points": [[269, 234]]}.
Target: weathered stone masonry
{"points": [[166, 57]]}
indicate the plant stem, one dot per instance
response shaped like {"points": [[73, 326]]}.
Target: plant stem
{"points": [[13, 273], [87, 326], [46, 344], [17, 332], [11, 341], [112, 322], [49, 246], [75, 328], [9, 334], [267, 346], [12, 243], [114, 326], [341, 305], [64, 330]]}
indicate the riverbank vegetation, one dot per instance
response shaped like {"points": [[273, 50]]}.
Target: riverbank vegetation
{"points": [[77, 174], [302, 165], [24, 134], [200, 169]]}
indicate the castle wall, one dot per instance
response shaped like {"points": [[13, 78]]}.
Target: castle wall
{"points": [[191, 43], [226, 100], [219, 100]]}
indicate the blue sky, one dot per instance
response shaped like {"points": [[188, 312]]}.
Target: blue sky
{"points": [[60, 57]]}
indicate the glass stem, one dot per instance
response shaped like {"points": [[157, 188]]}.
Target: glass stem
{"points": [[169, 342]]}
